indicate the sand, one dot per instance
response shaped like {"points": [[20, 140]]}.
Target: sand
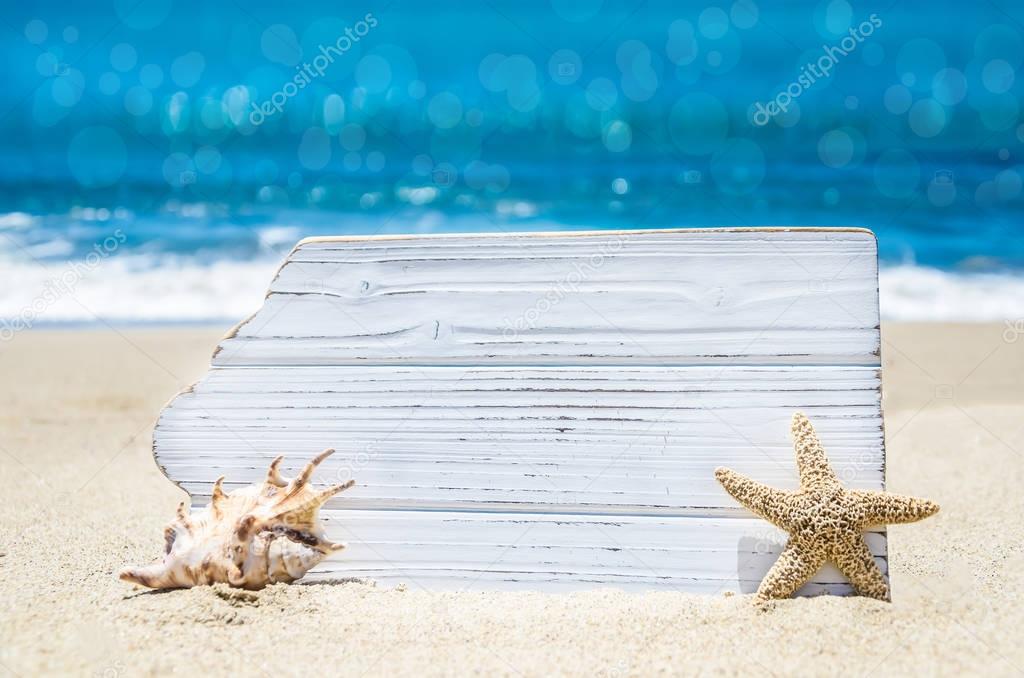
{"points": [[82, 497]]}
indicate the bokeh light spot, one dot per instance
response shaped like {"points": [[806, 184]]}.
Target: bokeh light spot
{"points": [[897, 99], [373, 73], [352, 137], [207, 159], [315, 148], [138, 100], [835, 148], [927, 118], [949, 86], [565, 66], [997, 76], [744, 14], [36, 31], [47, 64], [617, 136], [422, 164], [601, 94], [788, 118], [639, 68], [682, 47], [445, 110], [280, 45], [123, 57], [187, 69], [739, 167], [179, 170], [67, 88], [713, 23], [1008, 184], [375, 161], [838, 17], [334, 113]]}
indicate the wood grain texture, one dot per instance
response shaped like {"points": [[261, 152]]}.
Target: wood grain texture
{"points": [[546, 410], [489, 550], [683, 297]]}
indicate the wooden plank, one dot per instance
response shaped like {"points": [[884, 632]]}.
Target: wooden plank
{"points": [[665, 297], [478, 550], [546, 411], [593, 439]]}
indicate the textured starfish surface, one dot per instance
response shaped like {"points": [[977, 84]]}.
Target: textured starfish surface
{"points": [[824, 520]]}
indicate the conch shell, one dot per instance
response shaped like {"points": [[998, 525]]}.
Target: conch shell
{"points": [[256, 535]]}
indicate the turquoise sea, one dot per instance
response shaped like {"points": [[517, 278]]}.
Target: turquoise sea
{"points": [[187, 146]]}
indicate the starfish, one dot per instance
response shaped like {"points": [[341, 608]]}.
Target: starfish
{"points": [[824, 520]]}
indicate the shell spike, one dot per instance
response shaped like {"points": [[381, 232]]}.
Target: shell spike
{"points": [[307, 470], [325, 494], [235, 576], [184, 516], [274, 475], [218, 496], [245, 527], [154, 576]]}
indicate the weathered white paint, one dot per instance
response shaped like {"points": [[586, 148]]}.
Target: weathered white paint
{"points": [[546, 410]]}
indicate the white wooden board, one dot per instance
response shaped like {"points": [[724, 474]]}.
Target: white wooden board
{"points": [[546, 410]]}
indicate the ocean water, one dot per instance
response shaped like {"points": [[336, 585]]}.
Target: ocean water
{"points": [[161, 157]]}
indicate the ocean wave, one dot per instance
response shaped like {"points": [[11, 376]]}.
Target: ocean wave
{"points": [[141, 288], [17, 220], [920, 293], [131, 289]]}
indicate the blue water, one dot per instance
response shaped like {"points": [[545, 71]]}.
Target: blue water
{"points": [[449, 116]]}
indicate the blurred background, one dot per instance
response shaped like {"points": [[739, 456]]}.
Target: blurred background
{"points": [[160, 157]]}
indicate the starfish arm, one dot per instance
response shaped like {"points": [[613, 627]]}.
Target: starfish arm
{"points": [[811, 461], [854, 560], [884, 508], [791, 571], [767, 502]]}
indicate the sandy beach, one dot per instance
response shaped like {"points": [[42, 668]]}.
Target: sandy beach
{"points": [[83, 497]]}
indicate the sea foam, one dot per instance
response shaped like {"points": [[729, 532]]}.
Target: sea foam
{"points": [[158, 288], [911, 292]]}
